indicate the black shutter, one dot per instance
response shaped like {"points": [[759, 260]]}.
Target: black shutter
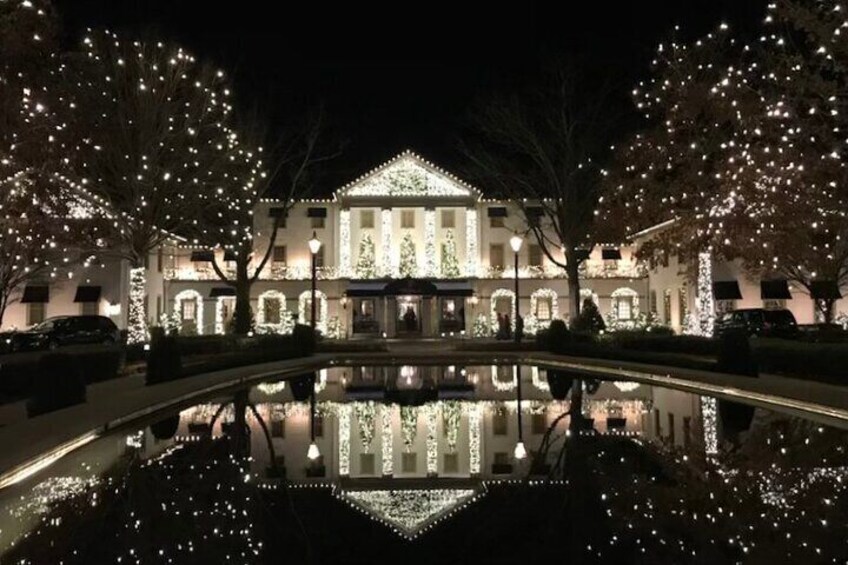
{"points": [[726, 290]]}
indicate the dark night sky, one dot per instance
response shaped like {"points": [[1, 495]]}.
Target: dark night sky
{"points": [[403, 75]]}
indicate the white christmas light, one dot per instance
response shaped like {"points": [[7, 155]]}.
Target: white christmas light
{"points": [[471, 247], [344, 243], [430, 269]]}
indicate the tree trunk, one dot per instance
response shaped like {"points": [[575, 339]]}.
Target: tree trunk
{"points": [[242, 314], [827, 309], [572, 270]]}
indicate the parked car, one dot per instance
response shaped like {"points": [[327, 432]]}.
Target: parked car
{"points": [[759, 322], [67, 330]]}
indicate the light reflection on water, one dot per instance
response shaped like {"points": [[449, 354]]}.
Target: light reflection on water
{"points": [[651, 471]]}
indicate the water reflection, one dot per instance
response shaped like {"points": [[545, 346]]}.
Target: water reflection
{"points": [[613, 471]]}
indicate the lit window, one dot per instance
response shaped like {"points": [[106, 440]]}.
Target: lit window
{"points": [[188, 309], [279, 256], [35, 313], [625, 308], [272, 311], [543, 309]]}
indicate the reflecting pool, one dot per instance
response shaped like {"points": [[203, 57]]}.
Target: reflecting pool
{"points": [[494, 464]]}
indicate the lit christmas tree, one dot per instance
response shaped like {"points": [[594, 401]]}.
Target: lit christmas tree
{"points": [[408, 261], [366, 263], [450, 264]]}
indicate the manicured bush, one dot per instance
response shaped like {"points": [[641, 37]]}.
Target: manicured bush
{"points": [[735, 355], [589, 320], [662, 342], [163, 361], [58, 384], [556, 337], [98, 366], [304, 340]]}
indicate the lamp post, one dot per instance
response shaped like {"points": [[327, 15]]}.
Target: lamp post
{"points": [[314, 248], [313, 452], [515, 242], [520, 451]]}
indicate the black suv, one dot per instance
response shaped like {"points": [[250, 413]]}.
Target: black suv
{"points": [[67, 330], [759, 322]]}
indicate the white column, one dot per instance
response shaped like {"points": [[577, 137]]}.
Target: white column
{"points": [[429, 269], [386, 268], [475, 455], [136, 322], [471, 245], [344, 439], [709, 418], [387, 439], [705, 302], [344, 243], [432, 439]]}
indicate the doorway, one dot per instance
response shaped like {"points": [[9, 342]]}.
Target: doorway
{"points": [[408, 315]]}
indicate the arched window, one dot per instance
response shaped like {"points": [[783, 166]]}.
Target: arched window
{"points": [[625, 304], [543, 305], [225, 307], [271, 310], [305, 309], [188, 305]]}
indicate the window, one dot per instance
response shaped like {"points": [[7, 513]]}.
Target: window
{"points": [[319, 258], [671, 428], [451, 463], [544, 307], [502, 459], [496, 222], [279, 255], [625, 308], [653, 304], [407, 219], [278, 428], [90, 308], [496, 256], [409, 463], [366, 463], [318, 422], [188, 309], [535, 258], [366, 219], [448, 309], [682, 303], [317, 223], [272, 311], [539, 423], [667, 306], [366, 308], [35, 313], [499, 423], [448, 219]]}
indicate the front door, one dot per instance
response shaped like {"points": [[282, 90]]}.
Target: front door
{"points": [[408, 315]]}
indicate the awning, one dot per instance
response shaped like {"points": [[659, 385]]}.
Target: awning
{"points": [[316, 212], [408, 286], [36, 293], [358, 289], [497, 212], [726, 290], [825, 290], [611, 254], [200, 256], [776, 289], [454, 288], [87, 294], [222, 291]]}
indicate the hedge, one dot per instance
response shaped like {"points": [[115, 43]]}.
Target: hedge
{"points": [[826, 362], [59, 384]]}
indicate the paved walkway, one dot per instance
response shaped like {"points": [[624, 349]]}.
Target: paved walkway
{"points": [[30, 442]]}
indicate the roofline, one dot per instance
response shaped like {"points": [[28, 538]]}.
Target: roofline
{"points": [[655, 228]]}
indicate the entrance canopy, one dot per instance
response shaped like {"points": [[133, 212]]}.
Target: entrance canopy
{"points": [[409, 287]]}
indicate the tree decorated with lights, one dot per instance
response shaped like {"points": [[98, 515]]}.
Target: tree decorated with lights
{"points": [[450, 263], [251, 174], [408, 266], [542, 151], [40, 219], [366, 263], [154, 128]]}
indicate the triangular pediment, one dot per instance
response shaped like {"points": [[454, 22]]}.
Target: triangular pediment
{"points": [[408, 176], [409, 512]]}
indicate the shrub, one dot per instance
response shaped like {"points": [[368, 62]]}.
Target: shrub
{"points": [[304, 340], [665, 343], [735, 355], [589, 320], [818, 361], [163, 363], [557, 337], [97, 366], [57, 384]]}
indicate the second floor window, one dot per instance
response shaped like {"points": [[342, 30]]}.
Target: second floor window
{"points": [[448, 219], [279, 255], [535, 255], [407, 219], [366, 219], [496, 256]]}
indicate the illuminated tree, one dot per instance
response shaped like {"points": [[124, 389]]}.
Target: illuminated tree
{"points": [[228, 222], [408, 266], [450, 263], [37, 230], [366, 263], [541, 150], [153, 129]]}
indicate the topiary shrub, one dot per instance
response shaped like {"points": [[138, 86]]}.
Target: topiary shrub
{"points": [[163, 363], [589, 320], [58, 384], [558, 337], [735, 355]]}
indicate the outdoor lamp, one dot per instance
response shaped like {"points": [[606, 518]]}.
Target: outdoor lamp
{"points": [[515, 242], [314, 244], [520, 451], [314, 453]]}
